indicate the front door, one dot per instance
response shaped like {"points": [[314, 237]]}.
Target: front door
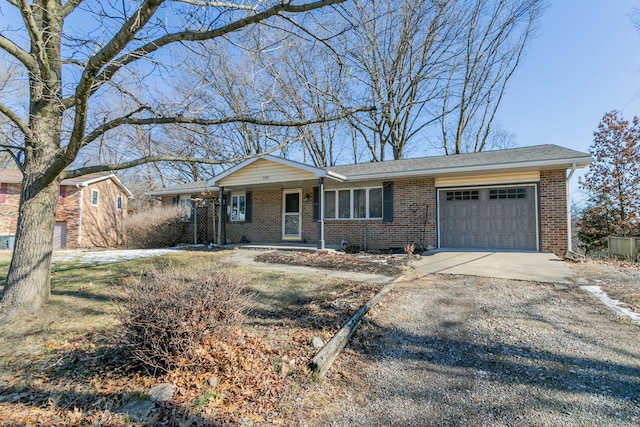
{"points": [[292, 220]]}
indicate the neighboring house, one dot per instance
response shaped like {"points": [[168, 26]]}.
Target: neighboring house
{"points": [[90, 213], [504, 199]]}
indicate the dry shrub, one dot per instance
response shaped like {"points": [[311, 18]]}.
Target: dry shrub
{"points": [[162, 226], [171, 315]]}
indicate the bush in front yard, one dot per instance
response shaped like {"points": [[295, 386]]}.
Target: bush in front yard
{"points": [[170, 315], [159, 227]]}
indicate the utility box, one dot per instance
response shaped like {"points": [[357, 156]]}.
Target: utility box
{"points": [[626, 247]]}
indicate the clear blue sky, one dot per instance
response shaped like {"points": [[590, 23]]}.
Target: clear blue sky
{"points": [[584, 62]]}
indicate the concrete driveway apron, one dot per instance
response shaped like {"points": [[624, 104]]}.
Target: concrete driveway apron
{"points": [[533, 266]]}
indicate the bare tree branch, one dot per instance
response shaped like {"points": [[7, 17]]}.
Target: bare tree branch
{"points": [[22, 125], [18, 53], [129, 120]]}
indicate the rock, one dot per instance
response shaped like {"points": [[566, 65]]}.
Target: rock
{"points": [[214, 381], [317, 343], [138, 410], [573, 256], [162, 392]]}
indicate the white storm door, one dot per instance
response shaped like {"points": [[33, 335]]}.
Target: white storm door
{"points": [[291, 216]]}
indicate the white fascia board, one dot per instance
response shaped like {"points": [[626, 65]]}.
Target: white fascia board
{"points": [[101, 178], [580, 162], [180, 191]]}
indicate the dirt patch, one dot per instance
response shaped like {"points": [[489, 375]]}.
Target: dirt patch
{"points": [[385, 265], [620, 280]]}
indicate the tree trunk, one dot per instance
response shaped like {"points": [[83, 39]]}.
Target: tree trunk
{"points": [[28, 282]]}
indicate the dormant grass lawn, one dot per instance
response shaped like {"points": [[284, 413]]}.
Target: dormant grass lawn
{"points": [[64, 365]]}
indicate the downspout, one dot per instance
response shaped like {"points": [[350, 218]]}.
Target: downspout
{"points": [[569, 231], [321, 213], [81, 188]]}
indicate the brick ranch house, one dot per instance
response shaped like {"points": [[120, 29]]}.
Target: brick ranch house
{"points": [[505, 199], [90, 213]]}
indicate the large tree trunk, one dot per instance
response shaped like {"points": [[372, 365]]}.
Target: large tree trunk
{"points": [[28, 282]]}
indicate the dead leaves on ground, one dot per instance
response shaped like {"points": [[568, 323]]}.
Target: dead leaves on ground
{"points": [[386, 265]]}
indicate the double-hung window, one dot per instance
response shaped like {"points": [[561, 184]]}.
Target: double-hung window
{"points": [[356, 203], [238, 207], [95, 197], [119, 202]]}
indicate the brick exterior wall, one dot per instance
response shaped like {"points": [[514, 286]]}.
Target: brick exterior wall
{"points": [[102, 226], [414, 212], [9, 210], [265, 225], [68, 211], [553, 211], [414, 220]]}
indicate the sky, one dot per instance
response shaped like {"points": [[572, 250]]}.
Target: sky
{"points": [[584, 62]]}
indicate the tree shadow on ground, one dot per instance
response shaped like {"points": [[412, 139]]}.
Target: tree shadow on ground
{"points": [[505, 363]]}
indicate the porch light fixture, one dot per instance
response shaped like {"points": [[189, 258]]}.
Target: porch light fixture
{"points": [[307, 197]]}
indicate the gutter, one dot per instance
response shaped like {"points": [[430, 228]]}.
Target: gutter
{"points": [[576, 162], [80, 186]]}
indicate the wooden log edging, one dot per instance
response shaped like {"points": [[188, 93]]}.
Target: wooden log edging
{"points": [[323, 360]]}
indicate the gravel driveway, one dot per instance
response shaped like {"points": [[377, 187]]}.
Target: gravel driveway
{"points": [[459, 350]]}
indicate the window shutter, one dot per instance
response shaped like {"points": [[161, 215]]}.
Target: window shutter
{"points": [[62, 194], [316, 203], [387, 201], [3, 192], [248, 206]]}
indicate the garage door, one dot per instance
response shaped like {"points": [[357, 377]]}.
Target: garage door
{"points": [[493, 218], [60, 235]]}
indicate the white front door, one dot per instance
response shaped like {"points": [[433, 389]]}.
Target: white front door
{"points": [[291, 217]]}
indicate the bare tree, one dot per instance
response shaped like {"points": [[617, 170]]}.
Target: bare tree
{"points": [[68, 68], [495, 35], [396, 54]]}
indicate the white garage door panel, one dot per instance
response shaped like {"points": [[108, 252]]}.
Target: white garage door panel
{"points": [[501, 221], [60, 235]]}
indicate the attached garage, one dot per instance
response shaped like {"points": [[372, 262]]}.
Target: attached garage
{"points": [[496, 217]]}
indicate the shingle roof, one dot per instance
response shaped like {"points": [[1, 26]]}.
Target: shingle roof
{"points": [[536, 155], [188, 188], [14, 176]]}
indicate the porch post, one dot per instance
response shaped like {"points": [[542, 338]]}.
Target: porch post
{"points": [[220, 216], [321, 213]]}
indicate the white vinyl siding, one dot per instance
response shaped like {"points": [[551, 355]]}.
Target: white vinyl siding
{"points": [[265, 171]]}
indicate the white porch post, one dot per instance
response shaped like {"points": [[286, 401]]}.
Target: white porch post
{"points": [[320, 213], [220, 216]]}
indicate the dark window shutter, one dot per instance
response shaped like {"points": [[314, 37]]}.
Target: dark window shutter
{"points": [[248, 208], [316, 203], [62, 194], [387, 201]]}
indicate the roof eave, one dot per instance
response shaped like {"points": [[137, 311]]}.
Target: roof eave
{"points": [[181, 191], [578, 163]]}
